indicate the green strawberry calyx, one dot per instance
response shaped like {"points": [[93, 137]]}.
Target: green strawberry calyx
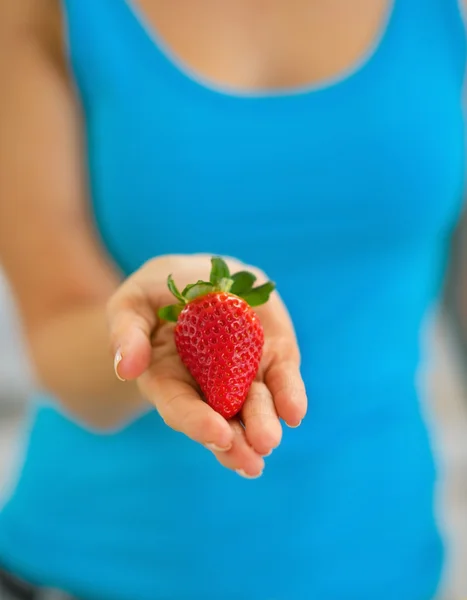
{"points": [[239, 284]]}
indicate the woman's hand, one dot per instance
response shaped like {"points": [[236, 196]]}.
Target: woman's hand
{"points": [[145, 351]]}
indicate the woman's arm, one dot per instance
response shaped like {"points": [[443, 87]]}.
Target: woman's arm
{"points": [[59, 274], [68, 290]]}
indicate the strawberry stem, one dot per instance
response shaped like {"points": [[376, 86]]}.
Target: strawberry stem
{"points": [[240, 284], [225, 284]]}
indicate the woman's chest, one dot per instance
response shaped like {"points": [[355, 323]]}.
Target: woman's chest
{"points": [[177, 166], [264, 44]]}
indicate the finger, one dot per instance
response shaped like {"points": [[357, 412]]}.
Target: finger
{"points": [[288, 390], [131, 320], [182, 409], [277, 323], [241, 458], [262, 426]]}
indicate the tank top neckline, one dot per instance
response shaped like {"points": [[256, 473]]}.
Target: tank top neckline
{"points": [[161, 52]]}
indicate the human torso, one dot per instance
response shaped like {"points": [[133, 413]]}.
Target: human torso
{"points": [[332, 158]]}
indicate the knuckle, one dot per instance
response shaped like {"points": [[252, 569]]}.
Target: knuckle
{"points": [[150, 263], [165, 263], [178, 417], [260, 402], [194, 424], [267, 438], [170, 420], [112, 304], [169, 413], [275, 436], [225, 460], [255, 407], [124, 297]]}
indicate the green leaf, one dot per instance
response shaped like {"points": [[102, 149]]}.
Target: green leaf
{"points": [[191, 285], [219, 270], [173, 288], [243, 282], [170, 313], [197, 289], [259, 295]]}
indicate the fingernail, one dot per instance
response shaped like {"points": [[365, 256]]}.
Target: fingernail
{"points": [[117, 360], [215, 448], [294, 426], [242, 473]]}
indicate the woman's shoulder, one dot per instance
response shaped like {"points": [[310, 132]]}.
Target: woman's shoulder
{"points": [[463, 7], [32, 21]]}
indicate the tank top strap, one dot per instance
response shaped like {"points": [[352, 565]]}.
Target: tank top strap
{"points": [[453, 16]]}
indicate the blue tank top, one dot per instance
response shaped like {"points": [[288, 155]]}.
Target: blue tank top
{"points": [[346, 194]]}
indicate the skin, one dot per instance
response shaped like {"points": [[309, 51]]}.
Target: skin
{"points": [[260, 44], [277, 392], [68, 290]]}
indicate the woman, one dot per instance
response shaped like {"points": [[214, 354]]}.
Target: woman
{"points": [[321, 142]]}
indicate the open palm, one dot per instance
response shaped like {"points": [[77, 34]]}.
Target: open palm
{"points": [[149, 355]]}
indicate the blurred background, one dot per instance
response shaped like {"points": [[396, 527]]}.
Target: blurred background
{"points": [[446, 404]]}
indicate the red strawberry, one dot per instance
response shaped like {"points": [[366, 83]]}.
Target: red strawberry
{"points": [[218, 335]]}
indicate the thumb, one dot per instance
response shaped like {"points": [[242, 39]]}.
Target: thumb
{"points": [[132, 320]]}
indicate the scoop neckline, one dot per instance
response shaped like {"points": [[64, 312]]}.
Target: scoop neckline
{"points": [[196, 81]]}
